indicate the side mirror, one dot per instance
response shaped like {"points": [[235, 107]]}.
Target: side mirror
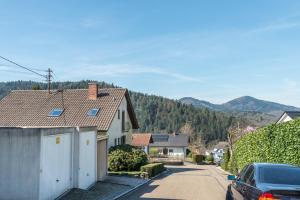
{"points": [[231, 177]]}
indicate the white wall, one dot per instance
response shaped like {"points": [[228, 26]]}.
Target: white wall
{"points": [[115, 130], [284, 118], [177, 151]]}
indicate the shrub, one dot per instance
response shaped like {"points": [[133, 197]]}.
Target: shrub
{"points": [[153, 169], [197, 158], [209, 159], [225, 162], [276, 143], [190, 155], [126, 159], [153, 152], [123, 147]]}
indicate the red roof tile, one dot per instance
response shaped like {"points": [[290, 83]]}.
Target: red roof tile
{"points": [[141, 139]]}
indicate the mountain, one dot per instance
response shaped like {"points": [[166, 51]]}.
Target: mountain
{"points": [[243, 104]]}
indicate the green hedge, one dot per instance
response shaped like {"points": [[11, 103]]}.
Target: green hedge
{"points": [[197, 158], [276, 143], [126, 158], [153, 169]]}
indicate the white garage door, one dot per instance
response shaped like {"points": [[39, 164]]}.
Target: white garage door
{"points": [[55, 166], [87, 159], [102, 159]]}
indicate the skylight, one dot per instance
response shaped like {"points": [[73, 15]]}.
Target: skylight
{"points": [[55, 112], [93, 112]]}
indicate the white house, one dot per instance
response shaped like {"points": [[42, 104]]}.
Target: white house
{"points": [[170, 145], [108, 110], [288, 116]]}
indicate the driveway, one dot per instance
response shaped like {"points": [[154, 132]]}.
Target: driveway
{"points": [[108, 189], [190, 182]]}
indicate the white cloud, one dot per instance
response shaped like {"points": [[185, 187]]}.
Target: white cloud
{"points": [[276, 26], [113, 70]]}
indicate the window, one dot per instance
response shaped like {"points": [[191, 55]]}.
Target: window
{"points": [[279, 175], [115, 141], [56, 112], [93, 112], [123, 139], [247, 174], [119, 141], [123, 121], [118, 114], [171, 151]]}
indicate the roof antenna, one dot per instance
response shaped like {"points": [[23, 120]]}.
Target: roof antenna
{"points": [[49, 76]]}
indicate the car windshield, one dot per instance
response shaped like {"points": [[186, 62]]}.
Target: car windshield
{"points": [[279, 175]]}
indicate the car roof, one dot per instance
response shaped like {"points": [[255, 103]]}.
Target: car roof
{"points": [[272, 165]]}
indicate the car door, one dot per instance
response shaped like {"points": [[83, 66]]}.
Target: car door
{"points": [[238, 186], [249, 189]]}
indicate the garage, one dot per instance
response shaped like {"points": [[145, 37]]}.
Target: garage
{"points": [[55, 177], [102, 158], [87, 159], [44, 163]]}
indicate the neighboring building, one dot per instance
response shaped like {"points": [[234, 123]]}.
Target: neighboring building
{"points": [[142, 140], [171, 145], [43, 163], [288, 116], [109, 111]]}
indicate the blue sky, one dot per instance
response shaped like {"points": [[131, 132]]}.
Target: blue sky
{"points": [[211, 50]]}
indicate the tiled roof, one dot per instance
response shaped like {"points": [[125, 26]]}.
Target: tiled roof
{"points": [[141, 139], [168, 140], [30, 108]]}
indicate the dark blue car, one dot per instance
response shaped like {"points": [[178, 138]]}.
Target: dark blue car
{"points": [[265, 181]]}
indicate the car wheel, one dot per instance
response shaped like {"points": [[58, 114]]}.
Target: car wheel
{"points": [[228, 195]]}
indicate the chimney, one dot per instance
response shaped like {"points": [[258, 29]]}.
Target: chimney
{"points": [[93, 91]]}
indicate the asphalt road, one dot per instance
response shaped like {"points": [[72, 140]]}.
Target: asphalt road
{"points": [[189, 182]]}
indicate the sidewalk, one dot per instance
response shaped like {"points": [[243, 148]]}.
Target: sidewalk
{"points": [[111, 188]]}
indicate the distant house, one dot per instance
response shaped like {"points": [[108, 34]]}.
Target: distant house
{"points": [[170, 145], [288, 116], [142, 140], [48, 127]]}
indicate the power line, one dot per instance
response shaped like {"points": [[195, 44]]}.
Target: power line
{"points": [[26, 68], [48, 76]]}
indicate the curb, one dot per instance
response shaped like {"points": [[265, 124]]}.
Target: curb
{"points": [[219, 168], [140, 185]]}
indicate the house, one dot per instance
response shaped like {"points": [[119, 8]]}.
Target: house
{"points": [[142, 140], [43, 163], [288, 116], [109, 111], [170, 145]]}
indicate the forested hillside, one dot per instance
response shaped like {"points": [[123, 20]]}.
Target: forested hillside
{"points": [[155, 114]]}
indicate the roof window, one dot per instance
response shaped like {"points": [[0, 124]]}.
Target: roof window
{"points": [[56, 112], [93, 112]]}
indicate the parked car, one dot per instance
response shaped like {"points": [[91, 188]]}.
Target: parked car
{"points": [[265, 181]]}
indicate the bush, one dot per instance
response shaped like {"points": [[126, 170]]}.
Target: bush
{"points": [[126, 159], [210, 159], [190, 155], [123, 147], [197, 158], [153, 169], [276, 143], [225, 162], [153, 152]]}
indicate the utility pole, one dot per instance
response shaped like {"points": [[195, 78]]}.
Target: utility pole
{"points": [[49, 76]]}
